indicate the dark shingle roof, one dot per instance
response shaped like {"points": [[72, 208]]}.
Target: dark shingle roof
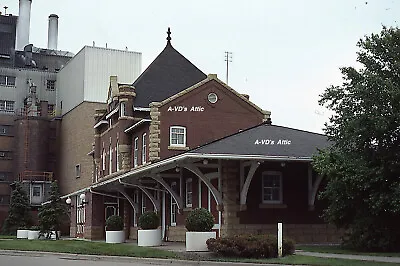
{"points": [[267, 140], [167, 75]]}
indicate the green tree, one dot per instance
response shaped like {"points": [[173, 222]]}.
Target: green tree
{"points": [[19, 214], [363, 163], [53, 213]]}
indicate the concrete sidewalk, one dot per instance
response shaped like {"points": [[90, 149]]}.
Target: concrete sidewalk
{"points": [[350, 257], [179, 247]]}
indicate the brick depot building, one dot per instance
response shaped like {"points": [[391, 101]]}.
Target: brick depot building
{"points": [[177, 139]]}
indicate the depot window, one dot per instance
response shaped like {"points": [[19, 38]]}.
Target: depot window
{"points": [[177, 136]]}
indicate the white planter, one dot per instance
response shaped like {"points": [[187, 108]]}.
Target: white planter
{"points": [[196, 241], [33, 234], [22, 234], [115, 236], [53, 234], [149, 238]]}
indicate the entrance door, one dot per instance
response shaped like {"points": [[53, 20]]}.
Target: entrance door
{"points": [[80, 217]]}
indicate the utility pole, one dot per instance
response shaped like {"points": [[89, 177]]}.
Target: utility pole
{"points": [[228, 59]]}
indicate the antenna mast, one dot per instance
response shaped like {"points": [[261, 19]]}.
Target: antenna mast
{"points": [[228, 59]]}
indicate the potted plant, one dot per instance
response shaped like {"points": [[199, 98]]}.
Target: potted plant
{"points": [[115, 229], [33, 232], [199, 223], [22, 232], [149, 235]]}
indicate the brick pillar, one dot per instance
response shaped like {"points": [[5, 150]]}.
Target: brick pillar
{"points": [[127, 218], [230, 174], [72, 215], [94, 223]]}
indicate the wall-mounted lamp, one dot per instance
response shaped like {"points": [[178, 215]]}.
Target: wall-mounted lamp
{"points": [[283, 164], [177, 169], [83, 199], [69, 201], [205, 161]]}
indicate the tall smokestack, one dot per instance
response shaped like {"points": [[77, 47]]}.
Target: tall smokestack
{"points": [[52, 32], [23, 24]]}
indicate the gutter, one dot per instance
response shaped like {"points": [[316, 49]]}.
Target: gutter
{"points": [[100, 123], [136, 124], [112, 112]]}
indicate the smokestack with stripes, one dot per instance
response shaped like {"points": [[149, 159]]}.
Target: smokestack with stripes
{"points": [[52, 32], [23, 24]]}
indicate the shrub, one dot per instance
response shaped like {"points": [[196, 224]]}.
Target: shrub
{"points": [[34, 228], [250, 246], [199, 220], [114, 223], [19, 211], [149, 220]]}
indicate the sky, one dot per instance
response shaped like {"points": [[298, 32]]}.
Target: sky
{"points": [[284, 53]]}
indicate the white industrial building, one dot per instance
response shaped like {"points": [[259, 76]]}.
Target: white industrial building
{"points": [[52, 88], [86, 76]]}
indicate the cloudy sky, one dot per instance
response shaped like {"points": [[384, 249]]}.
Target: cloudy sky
{"points": [[285, 53]]}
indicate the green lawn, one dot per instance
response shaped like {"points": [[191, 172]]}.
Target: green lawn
{"points": [[7, 237], [85, 247], [339, 250], [131, 250]]}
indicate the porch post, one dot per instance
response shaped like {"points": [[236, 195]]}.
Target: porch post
{"points": [[230, 175], [94, 217]]}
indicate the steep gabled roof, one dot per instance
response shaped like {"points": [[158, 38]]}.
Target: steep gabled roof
{"points": [[167, 75], [268, 141]]}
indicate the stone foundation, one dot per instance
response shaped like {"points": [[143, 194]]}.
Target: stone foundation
{"points": [[176, 233], [94, 233], [72, 231], [133, 232]]}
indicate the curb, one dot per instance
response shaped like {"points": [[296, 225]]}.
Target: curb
{"points": [[68, 256]]}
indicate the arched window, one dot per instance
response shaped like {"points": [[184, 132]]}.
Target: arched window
{"points": [[111, 161], [144, 148], [117, 154], [177, 136], [104, 160], [135, 151], [122, 109]]}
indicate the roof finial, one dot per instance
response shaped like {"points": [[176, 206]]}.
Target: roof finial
{"points": [[169, 36]]}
